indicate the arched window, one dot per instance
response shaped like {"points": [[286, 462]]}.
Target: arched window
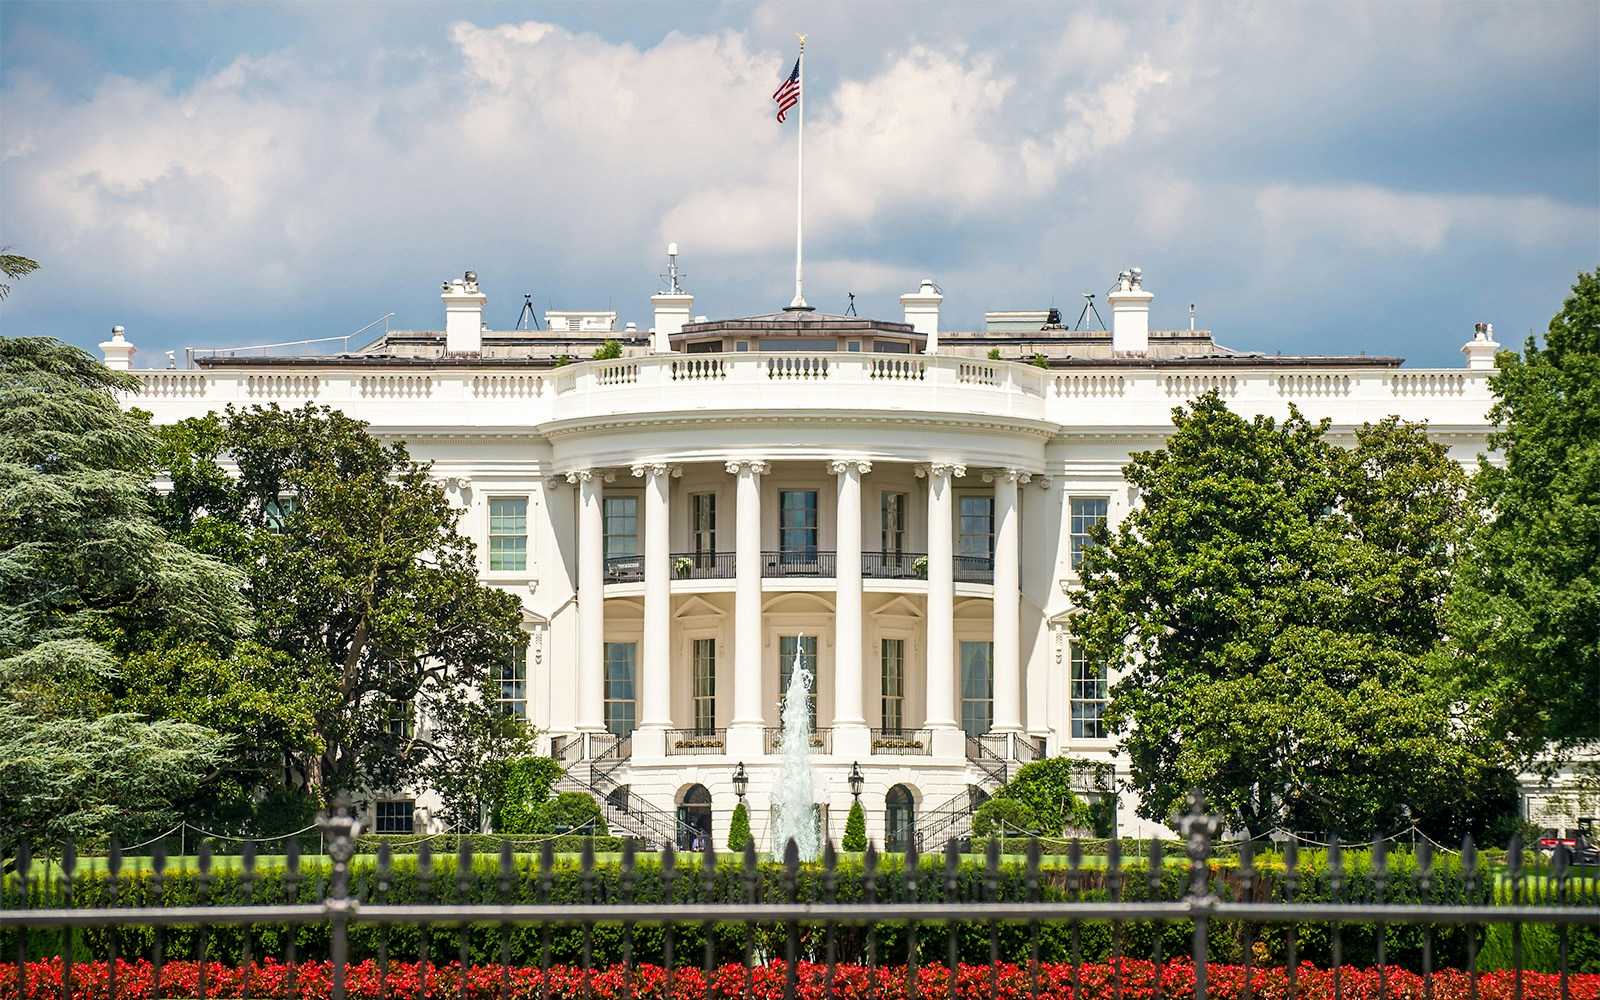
{"points": [[899, 818], [694, 817]]}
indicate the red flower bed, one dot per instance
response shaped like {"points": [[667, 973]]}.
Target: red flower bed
{"points": [[405, 981]]}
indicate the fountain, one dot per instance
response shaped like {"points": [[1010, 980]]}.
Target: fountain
{"points": [[793, 803]]}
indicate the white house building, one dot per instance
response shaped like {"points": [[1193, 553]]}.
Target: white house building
{"points": [[901, 506]]}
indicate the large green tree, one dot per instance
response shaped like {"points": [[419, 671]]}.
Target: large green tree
{"points": [[1527, 607], [1277, 601], [358, 576], [88, 579]]}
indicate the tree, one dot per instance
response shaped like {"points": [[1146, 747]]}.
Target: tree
{"points": [[1002, 816], [855, 828], [88, 579], [1277, 603], [523, 792], [739, 828], [1045, 790], [1526, 611], [358, 576], [608, 351], [14, 265], [472, 754]]}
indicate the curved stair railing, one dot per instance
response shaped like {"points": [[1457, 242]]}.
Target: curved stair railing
{"points": [[624, 811], [952, 820]]}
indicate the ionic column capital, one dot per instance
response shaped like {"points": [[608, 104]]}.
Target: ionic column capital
{"points": [[839, 467], [929, 469], [576, 476], [756, 466], [656, 469], [1007, 475]]}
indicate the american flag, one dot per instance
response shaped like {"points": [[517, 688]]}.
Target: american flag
{"points": [[788, 94]]}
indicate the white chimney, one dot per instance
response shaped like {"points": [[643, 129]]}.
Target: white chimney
{"points": [[672, 306], [1480, 350], [922, 312], [463, 315], [1130, 314], [118, 352]]}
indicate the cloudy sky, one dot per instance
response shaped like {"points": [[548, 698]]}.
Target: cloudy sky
{"points": [[1316, 178]]}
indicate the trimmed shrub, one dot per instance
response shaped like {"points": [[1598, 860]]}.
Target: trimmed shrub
{"points": [[739, 828], [1004, 817], [855, 829]]}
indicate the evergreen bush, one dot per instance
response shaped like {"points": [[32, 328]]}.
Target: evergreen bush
{"points": [[739, 828], [855, 829]]}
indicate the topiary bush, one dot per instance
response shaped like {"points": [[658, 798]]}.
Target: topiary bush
{"points": [[739, 828], [570, 812], [855, 829]]}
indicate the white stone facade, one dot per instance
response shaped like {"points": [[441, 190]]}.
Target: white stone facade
{"points": [[685, 515]]}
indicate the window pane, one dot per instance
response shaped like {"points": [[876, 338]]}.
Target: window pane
{"points": [[704, 523], [797, 523], [894, 684], [705, 686], [1086, 513], [1087, 689], [508, 533], [621, 526], [977, 527], [620, 660], [395, 816], [894, 523], [977, 687], [787, 644], [512, 677]]}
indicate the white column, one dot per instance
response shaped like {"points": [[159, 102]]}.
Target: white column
{"points": [[745, 735], [655, 691], [1007, 601], [941, 712], [591, 602], [849, 724]]}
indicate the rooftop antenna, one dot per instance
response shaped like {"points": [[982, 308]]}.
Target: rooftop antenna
{"points": [[852, 310], [672, 276], [529, 312], [1088, 307]]}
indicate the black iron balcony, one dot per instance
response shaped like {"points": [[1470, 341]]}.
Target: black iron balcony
{"points": [[624, 569], [702, 565], [821, 741], [902, 742], [894, 565], [798, 562], [682, 742], [974, 569]]}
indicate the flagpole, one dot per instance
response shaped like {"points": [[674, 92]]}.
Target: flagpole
{"points": [[799, 187]]}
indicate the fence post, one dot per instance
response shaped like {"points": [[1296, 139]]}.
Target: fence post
{"points": [[339, 832], [1199, 829]]}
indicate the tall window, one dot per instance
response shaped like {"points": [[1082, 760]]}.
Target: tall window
{"points": [[797, 525], [508, 533], [894, 685], [1088, 692], [807, 646], [395, 816], [894, 523], [704, 512], [621, 658], [705, 686], [512, 675], [278, 511], [621, 526], [1086, 513], [977, 528], [977, 687], [399, 714]]}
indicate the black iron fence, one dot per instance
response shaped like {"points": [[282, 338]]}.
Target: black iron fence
{"points": [[1215, 920]]}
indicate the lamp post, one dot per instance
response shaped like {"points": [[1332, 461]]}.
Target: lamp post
{"points": [[741, 781], [856, 780]]}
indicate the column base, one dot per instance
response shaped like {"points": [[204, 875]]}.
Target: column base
{"points": [[649, 743], [949, 741], [852, 741], [747, 741]]}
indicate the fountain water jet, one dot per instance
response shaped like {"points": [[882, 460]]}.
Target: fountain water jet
{"points": [[793, 800]]}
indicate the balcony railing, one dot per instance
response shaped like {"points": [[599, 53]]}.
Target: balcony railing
{"points": [[974, 569], [902, 742], [702, 565], [696, 742], [821, 741], [894, 565], [801, 563], [624, 569]]}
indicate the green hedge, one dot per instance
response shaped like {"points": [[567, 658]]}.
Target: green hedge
{"points": [[566, 883]]}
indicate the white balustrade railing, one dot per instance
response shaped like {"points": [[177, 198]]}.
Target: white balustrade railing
{"points": [[1080, 397]]}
